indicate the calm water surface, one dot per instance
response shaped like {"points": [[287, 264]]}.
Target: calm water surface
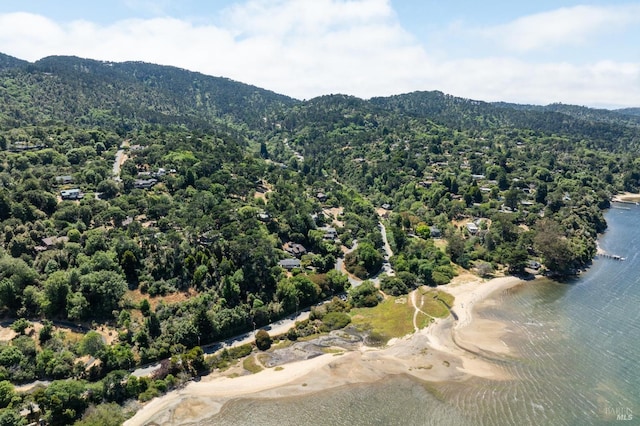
{"points": [[578, 362]]}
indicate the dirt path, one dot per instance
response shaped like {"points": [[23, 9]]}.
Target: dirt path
{"points": [[417, 310]]}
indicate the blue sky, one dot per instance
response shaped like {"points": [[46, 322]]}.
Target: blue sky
{"points": [[544, 51]]}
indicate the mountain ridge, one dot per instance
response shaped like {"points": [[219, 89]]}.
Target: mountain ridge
{"points": [[145, 71]]}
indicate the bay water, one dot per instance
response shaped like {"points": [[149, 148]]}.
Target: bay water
{"points": [[577, 359]]}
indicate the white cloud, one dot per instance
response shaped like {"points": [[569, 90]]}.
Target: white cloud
{"points": [[306, 48], [565, 26], [601, 84]]}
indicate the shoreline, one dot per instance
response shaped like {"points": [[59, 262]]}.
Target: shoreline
{"points": [[626, 197], [445, 351]]}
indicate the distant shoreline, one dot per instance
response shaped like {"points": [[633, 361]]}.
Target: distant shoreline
{"points": [[626, 197], [447, 350]]}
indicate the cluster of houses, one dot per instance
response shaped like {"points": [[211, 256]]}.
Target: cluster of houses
{"points": [[159, 173], [147, 180], [297, 250]]}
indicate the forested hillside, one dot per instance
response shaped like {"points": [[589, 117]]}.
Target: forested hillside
{"points": [[146, 211]]}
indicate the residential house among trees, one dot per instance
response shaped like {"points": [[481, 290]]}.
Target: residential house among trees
{"points": [[289, 264], [64, 180], [71, 194], [144, 183], [295, 249]]}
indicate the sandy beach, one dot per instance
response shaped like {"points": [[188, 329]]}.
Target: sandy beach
{"points": [[626, 197], [447, 350]]}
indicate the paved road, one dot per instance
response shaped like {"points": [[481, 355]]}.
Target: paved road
{"points": [[274, 329], [387, 247], [386, 266], [121, 157]]}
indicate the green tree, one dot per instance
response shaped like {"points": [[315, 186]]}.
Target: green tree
{"points": [[109, 414], [337, 282], [20, 325], [114, 386], [5, 206], [91, 343], [145, 307], [393, 286], [153, 325], [287, 294], [64, 402], [456, 248], [194, 361], [129, 263], [555, 248], [307, 290], [7, 393], [108, 189], [56, 290], [77, 306], [10, 417], [103, 290], [263, 340], [46, 332], [365, 295], [364, 261], [515, 257], [511, 198]]}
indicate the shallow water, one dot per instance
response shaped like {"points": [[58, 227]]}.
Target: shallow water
{"points": [[577, 363]]}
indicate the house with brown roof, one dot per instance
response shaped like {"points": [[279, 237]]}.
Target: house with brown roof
{"points": [[49, 243], [295, 249]]}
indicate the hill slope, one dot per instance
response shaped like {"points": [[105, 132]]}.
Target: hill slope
{"points": [[90, 93]]}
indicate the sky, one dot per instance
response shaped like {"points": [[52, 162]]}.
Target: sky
{"points": [[529, 52]]}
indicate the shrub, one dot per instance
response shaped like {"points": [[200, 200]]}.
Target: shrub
{"points": [[393, 286], [376, 339], [365, 295], [336, 320], [263, 340], [292, 334]]}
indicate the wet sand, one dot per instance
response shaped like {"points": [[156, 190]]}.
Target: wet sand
{"points": [[447, 350]]}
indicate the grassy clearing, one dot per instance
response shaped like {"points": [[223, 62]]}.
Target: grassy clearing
{"points": [[389, 318], [432, 302], [441, 244], [423, 320], [251, 365]]}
